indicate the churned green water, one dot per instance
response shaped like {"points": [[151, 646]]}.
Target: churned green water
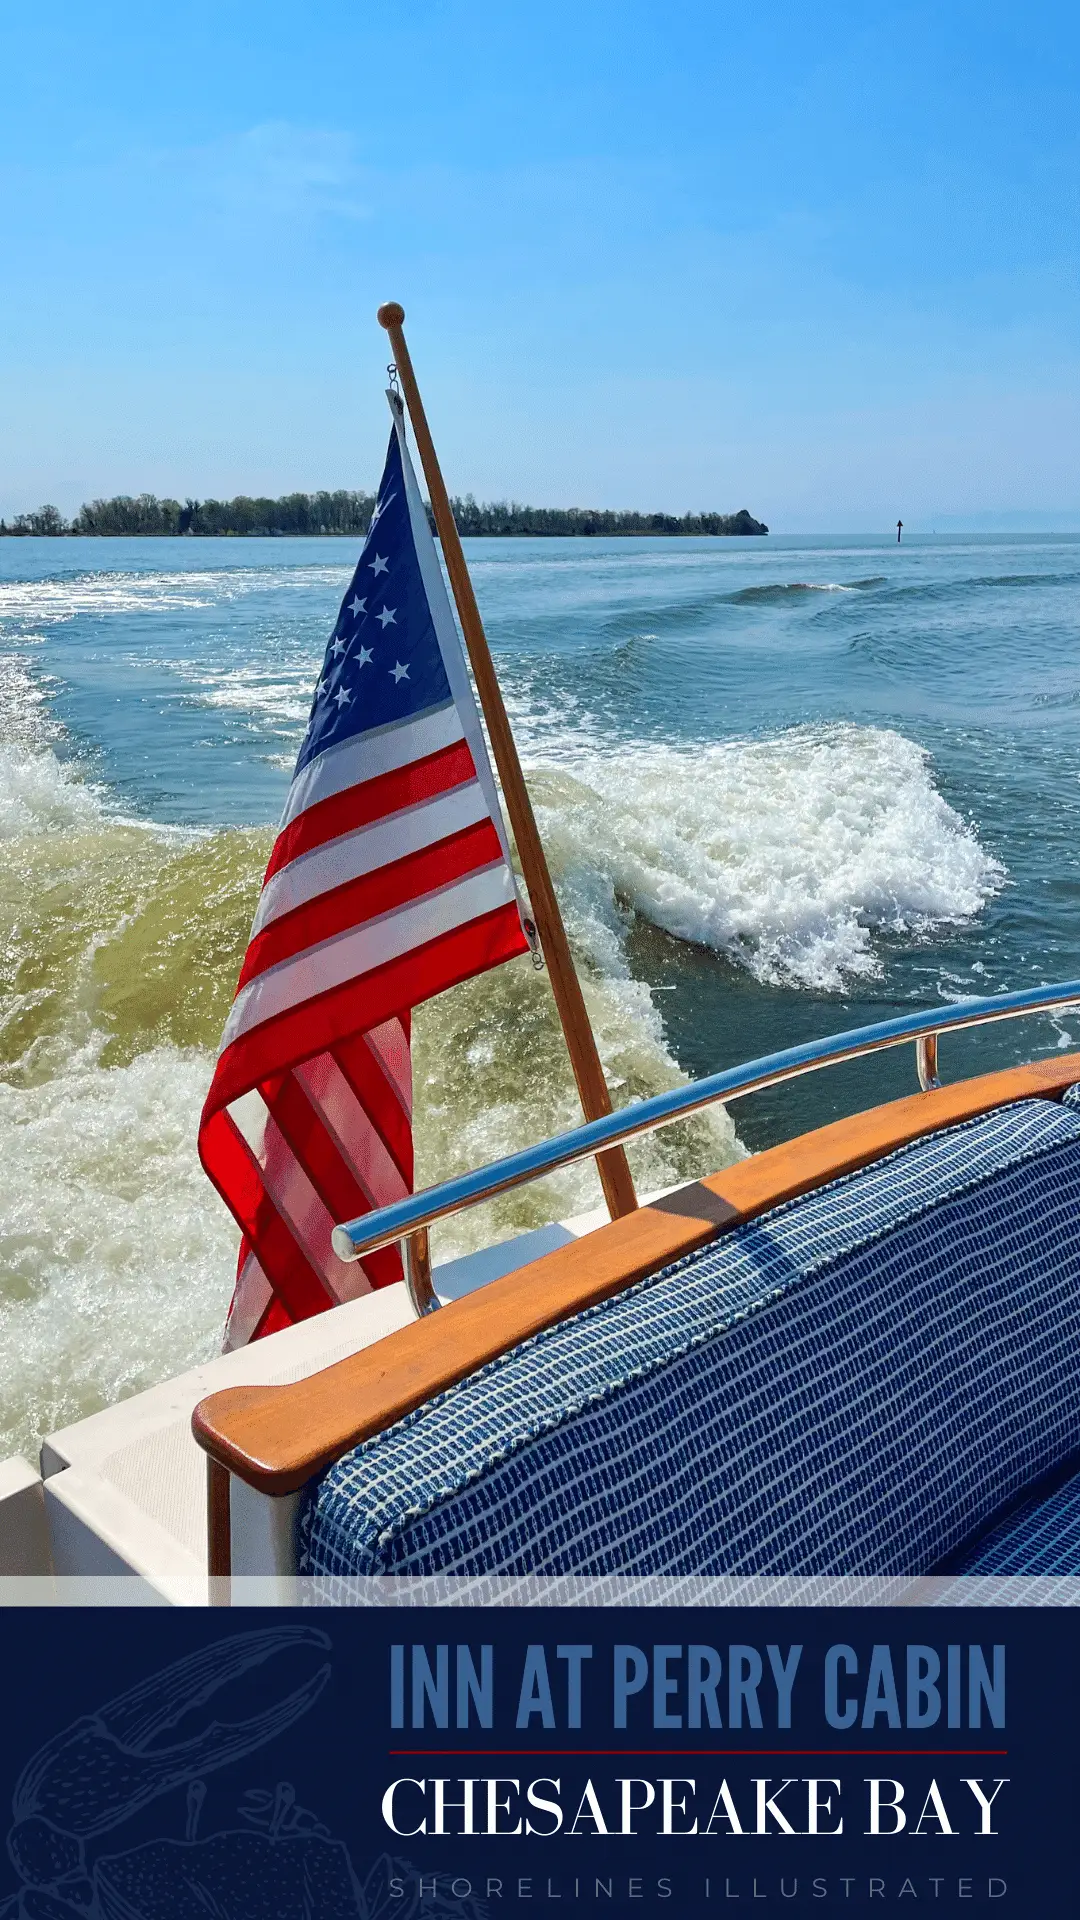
{"points": [[787, 786]]}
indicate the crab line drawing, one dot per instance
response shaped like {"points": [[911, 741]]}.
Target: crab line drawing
{"points": [[280, 1863]]}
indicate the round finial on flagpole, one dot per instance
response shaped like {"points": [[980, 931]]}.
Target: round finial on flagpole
{"points": [[391, 315]]}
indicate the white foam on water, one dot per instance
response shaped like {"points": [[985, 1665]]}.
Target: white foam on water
{"points": [[38, 794], [279, 696], [777, 587], [115, 1254], [789, 855], [64, 597], [25, 715], [60, 599], [266, 696], [41, 793]]}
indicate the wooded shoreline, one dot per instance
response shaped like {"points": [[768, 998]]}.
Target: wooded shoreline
{"points": [[143, 516]]}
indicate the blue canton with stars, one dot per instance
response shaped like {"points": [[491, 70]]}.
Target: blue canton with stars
{"points": [[383, 662]]}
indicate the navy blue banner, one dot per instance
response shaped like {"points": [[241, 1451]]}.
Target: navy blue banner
{"points": [[413, 1764]]}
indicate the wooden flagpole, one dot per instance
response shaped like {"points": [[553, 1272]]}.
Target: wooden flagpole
{"points": [[615, 1176]]}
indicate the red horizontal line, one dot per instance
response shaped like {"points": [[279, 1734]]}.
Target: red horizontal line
{"points": [[386, 889], [371, 800], [697, 1753]]}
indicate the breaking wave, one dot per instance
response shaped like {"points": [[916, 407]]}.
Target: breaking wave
{"points": [[781, 591], [790, 856]]}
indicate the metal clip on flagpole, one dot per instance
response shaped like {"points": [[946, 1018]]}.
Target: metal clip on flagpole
{"points": [[592, 1087]]}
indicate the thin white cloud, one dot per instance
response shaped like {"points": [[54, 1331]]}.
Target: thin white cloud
{"points": [[281, 168]]}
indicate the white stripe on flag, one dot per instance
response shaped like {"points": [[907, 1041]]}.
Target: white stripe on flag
{"points": [[352, 854], [366, 755], [301, 1208], [394, 1055], [360, 949], [345, 1120], [251, 1297]]}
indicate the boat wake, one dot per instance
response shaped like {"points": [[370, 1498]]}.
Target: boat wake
{"points": [[791, 856], [121, 945]]}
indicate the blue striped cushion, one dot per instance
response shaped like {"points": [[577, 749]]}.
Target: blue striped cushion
{"points": [[855, 1383], [1041, 1537]]}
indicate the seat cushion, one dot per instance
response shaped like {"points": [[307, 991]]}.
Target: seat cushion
{"points": [[1040, 1537], [854, 1383]]}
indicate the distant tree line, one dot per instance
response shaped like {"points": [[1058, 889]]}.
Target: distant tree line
{"points": [[144, 514], [500, 516], [349, 513]]}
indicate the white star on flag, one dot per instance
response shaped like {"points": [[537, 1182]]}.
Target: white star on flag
{"points": [[363, 657], [356, 605], [379, 565], [386, 617], [399, 672], [342, 697], [338, 646]]}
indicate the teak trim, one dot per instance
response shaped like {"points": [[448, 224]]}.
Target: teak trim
{"points": [[276, 1438], [218, 1520]]}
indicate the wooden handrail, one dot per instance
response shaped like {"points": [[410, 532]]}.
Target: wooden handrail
{"points": [[276, 1438]]}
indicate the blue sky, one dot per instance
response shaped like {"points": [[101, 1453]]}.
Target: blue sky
{"points": [[821, 262]]}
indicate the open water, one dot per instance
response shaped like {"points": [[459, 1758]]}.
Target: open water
{"points": [[787, 786]]}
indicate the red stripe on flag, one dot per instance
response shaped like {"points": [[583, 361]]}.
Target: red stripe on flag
{"points": [[364, 1072], [372, 800], [399, 884], [317, 1025], [230, 1164], [316, 1150]]}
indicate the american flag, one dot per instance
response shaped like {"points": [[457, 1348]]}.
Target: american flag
{"points": [[389, 881]]}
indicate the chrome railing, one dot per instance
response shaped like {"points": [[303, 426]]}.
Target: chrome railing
{"points": [[409, 1219]]}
